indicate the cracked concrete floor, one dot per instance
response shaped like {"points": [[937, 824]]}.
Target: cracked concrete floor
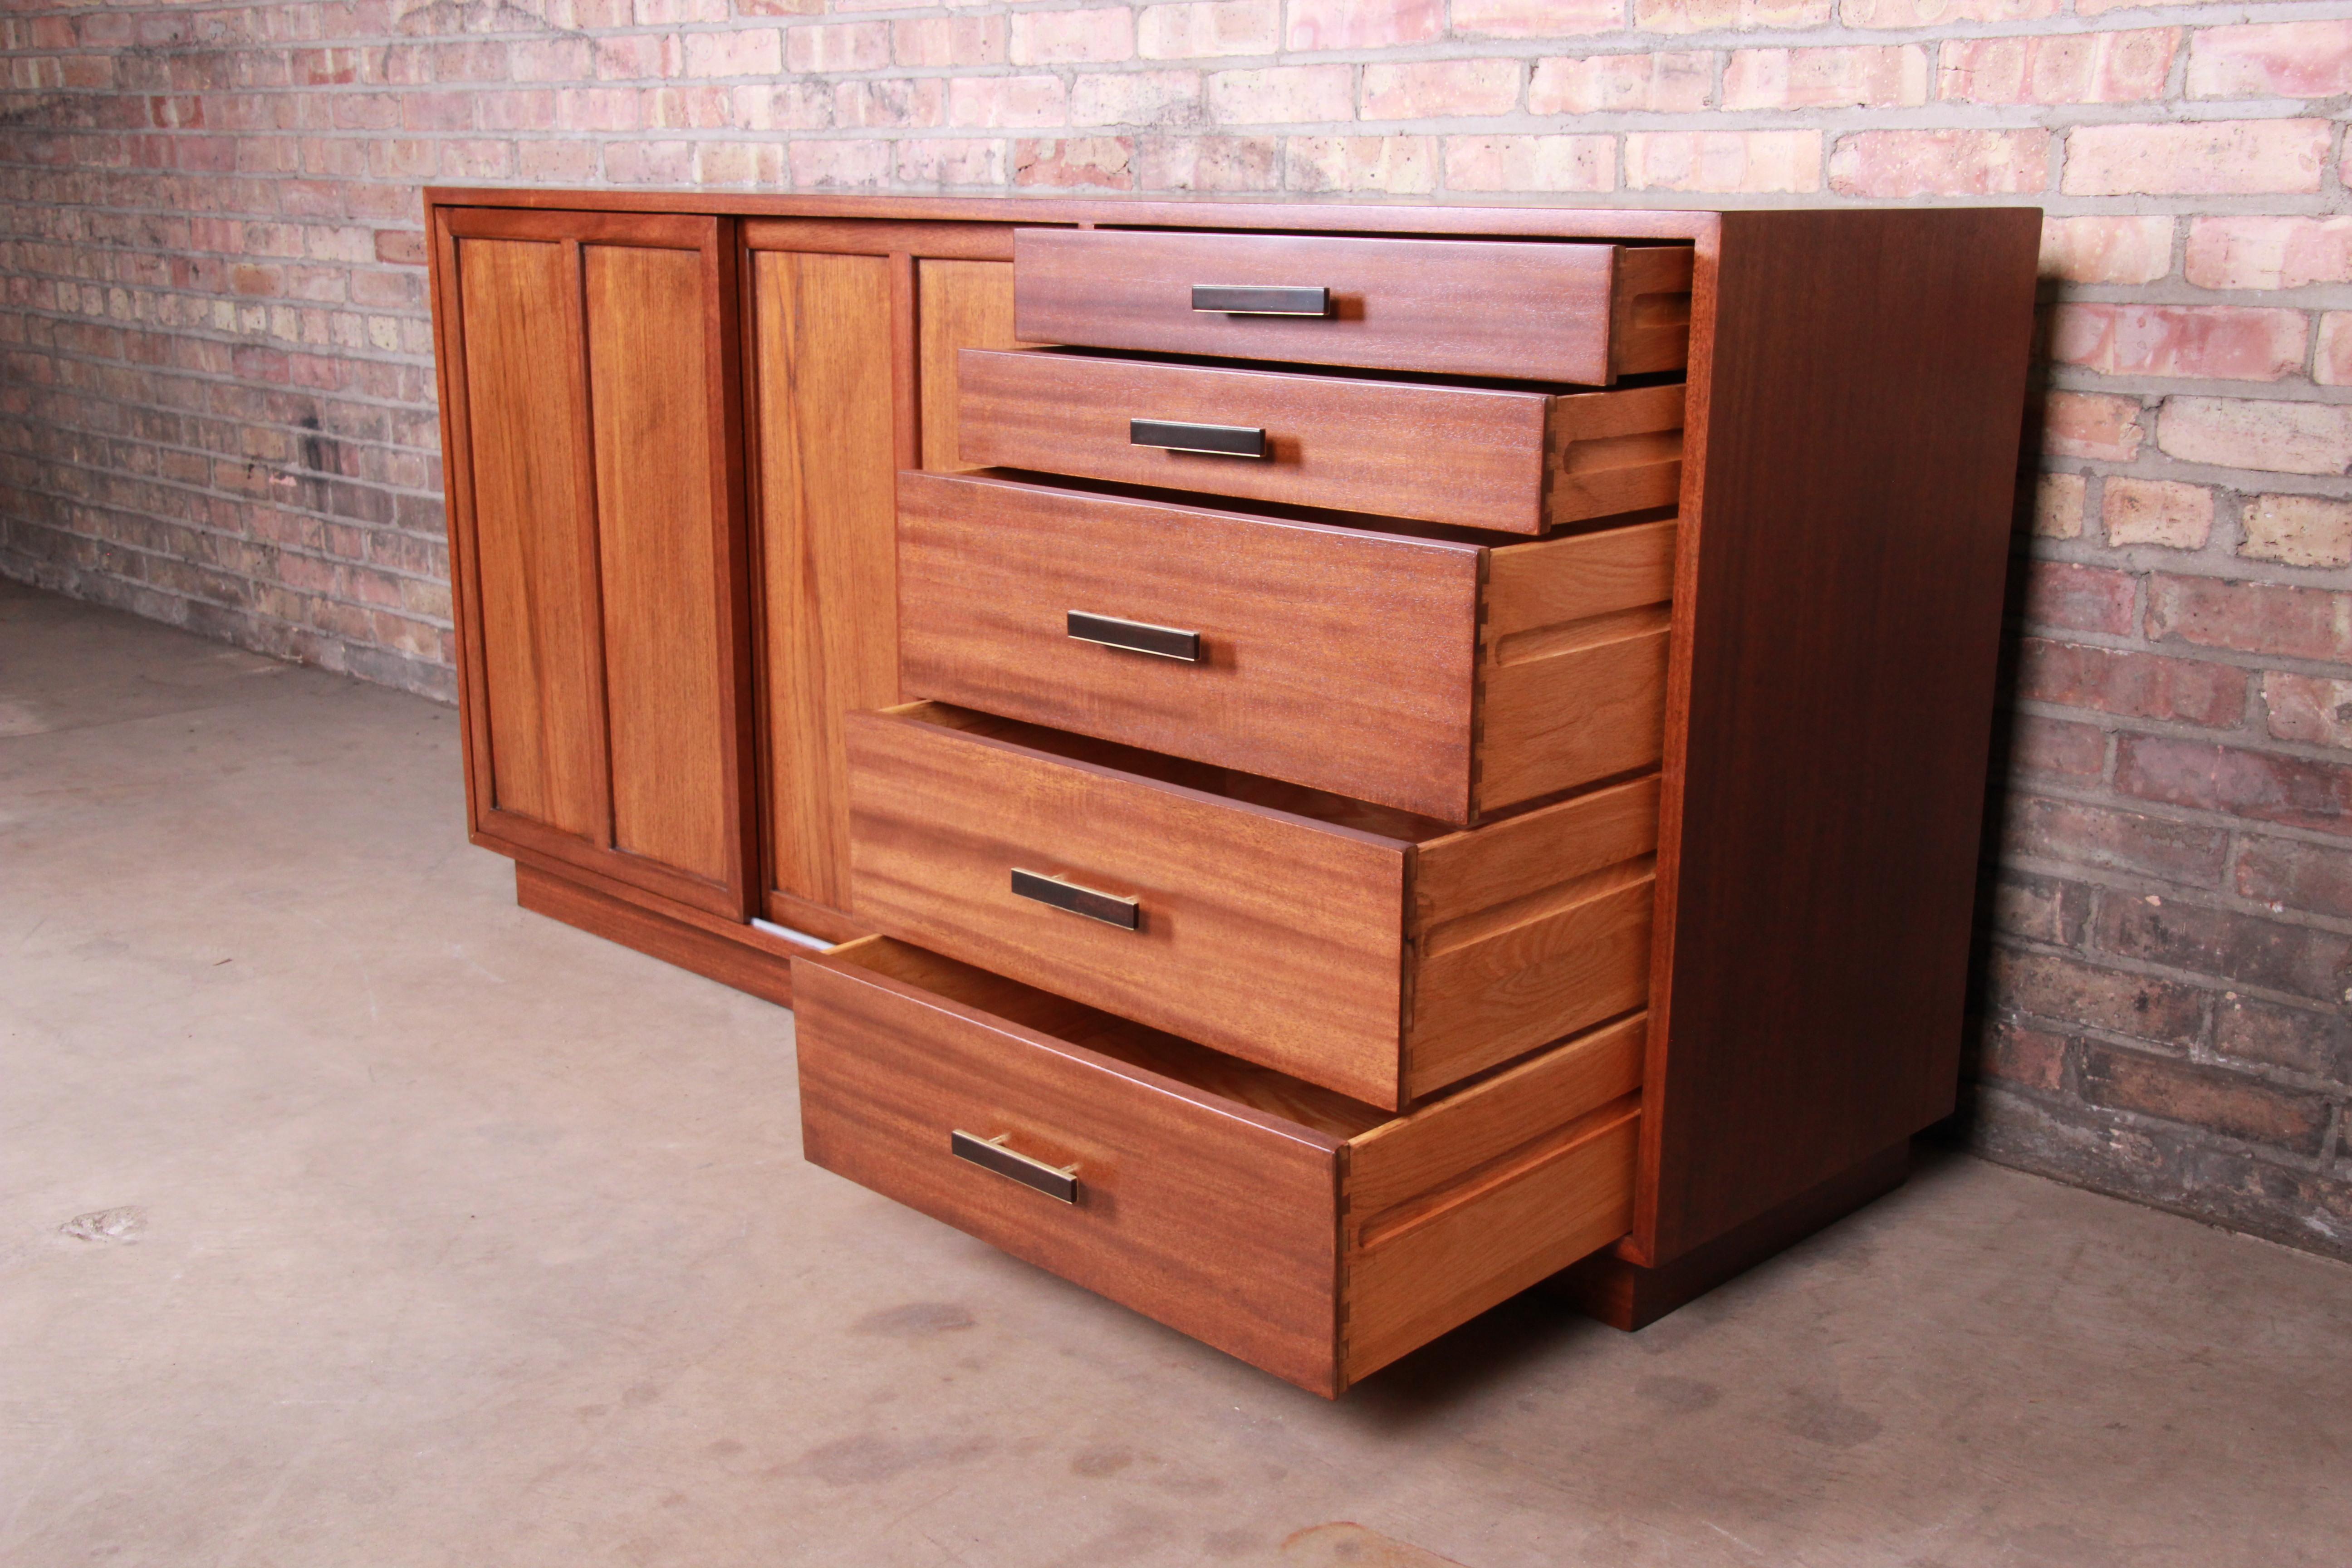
{"points": [[351, 1215]]}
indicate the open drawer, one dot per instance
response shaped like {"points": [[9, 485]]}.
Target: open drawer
{"points": [[1375, 952], [1309, 1234], [1441, 676]]}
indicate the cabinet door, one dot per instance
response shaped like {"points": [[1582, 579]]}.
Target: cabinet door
{"points": [[589, 374], [853, 339]]}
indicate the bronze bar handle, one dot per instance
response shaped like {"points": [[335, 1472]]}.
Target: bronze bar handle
{"points": [[1135, 636], [1257, 299], [991, 1154], [1108, 907], [1214, 440]]}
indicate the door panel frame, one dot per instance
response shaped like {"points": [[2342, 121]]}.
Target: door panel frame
{"points": [[717, 241]]}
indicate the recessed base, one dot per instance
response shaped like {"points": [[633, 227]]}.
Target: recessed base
{"points": [[1627, 1296]]}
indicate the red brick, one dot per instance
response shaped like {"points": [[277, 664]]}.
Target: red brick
{"points": [[2106, 249], [2112, 840], [2155, 512], [1826, 78], [1089, 35], [2092, 424], [2067, 597], [2058, 747], [2308, 707], [1531, 163], [2213, 341], [2039, 908], [2229, 157], [2279, 60], [2058, 506], [2316, 1044], [1092, 162], [2331, 358], [952, 40], [2066, 69], [1538, 18], [2246, 949], [1941, 13], [403, 247], [1363, 23], [1892, 164], [836, 47], [1282, 94], [2245, 432], [2224, 1102], [2135, 685], [2269, 252], [1136, 98], [1666, 84], [1014, 101], [2071, 991], [2299, 531], [1209, 163], [2288, 874], [2250, 618], [2015, 1054], [1438, 89], [2226, 779], [1723, 160], [1396, 164], [1204, 28]]}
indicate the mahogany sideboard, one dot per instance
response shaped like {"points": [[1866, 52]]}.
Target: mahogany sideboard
{"points": [[1308, 767]]}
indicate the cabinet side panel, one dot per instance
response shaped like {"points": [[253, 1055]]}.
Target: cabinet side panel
{"points": [[959, 305], [821, 342], [649, 400], [525, 410], [1839, 618]]}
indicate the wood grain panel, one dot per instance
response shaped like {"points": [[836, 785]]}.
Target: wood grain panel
{"points": [[1497, 985], [1611, 452], [1218, 1224], [1540, 312], [1533, 586], [1270, 935], [1332, 442], [533, 533], [959, 305], [1562, 842], [824, 414], [1336, 657], [1574, 714], [649, 397], [1854, 409], [1508, 1230], [1404, 1159]]}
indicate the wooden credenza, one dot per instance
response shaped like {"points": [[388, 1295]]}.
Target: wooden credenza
{"points": [[1308, 768]]}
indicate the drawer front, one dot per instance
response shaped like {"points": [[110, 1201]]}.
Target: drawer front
{"points": [[1333, 658], [1273, 937], [1557, 312], [1352, 446], [1216, 1223]]}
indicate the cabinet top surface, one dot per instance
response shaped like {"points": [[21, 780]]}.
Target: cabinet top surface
{"points": [[1385, 215]]}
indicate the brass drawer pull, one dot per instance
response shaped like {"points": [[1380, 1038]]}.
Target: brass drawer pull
{"points": [[1108, 907], [991, 1154], [1214, 440], [1135, 636], [1256, 300]]}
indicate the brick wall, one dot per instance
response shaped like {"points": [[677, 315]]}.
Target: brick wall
{"points": [[217, 407]]}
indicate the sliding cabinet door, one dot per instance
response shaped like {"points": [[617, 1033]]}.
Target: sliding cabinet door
{"points": [[853, 329], [590, 369]]}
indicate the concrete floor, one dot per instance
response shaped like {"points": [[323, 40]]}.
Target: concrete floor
{"points": [[351, 1215]]}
